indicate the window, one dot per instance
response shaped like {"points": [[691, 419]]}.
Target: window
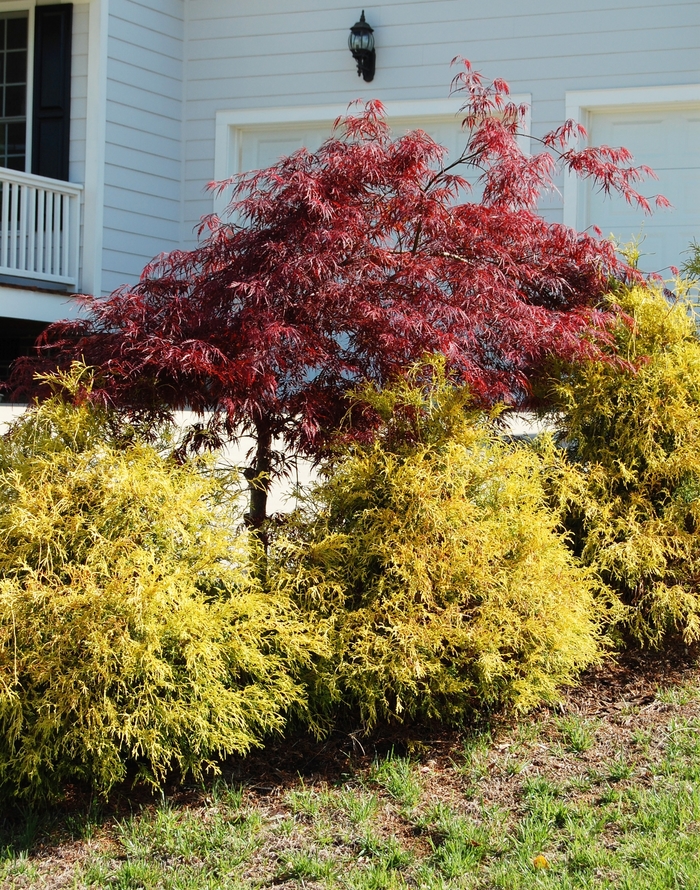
{"points": [[13, 91], [35, 123], [51, 93]]}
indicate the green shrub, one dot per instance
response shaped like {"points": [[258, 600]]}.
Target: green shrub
{"points": [[434, 556], [131, 631], [634, 431]]}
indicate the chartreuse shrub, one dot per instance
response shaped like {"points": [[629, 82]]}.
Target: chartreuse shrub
{"points": [[634, 429], [131, 632], [435, 558]]}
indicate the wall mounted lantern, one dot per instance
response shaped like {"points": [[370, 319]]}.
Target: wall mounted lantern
{"points": [[361, 45]]}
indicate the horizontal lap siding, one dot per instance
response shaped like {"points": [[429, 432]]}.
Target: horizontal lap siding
{"points": [[278, 53], [143, 151]]}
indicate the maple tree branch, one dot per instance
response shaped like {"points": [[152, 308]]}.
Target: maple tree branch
{"points": [[419, 230], [462, 159]]}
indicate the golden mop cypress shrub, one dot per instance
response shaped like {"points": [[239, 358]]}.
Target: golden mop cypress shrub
{"points": [[433, 554], [634, 431], [131, 632]]}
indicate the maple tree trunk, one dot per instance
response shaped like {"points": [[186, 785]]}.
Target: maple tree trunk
{"points": [[259, 477]]}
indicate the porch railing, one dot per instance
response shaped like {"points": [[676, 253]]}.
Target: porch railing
{"points": [[39, 228]]}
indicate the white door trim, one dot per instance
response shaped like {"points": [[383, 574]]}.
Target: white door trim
{"points": [[581, 103]]}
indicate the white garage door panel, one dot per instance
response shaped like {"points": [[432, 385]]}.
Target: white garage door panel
{"points": [[262, 146], [668, 140]]}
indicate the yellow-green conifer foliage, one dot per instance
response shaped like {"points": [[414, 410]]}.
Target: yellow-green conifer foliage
{"points": [[131, 632], [433, 554], [634, 430]]}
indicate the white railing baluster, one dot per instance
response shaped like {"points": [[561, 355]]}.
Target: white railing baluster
{"points": [[31, 227], [14, 214], [22, 253], [39, 228], [48, 236], [51, 233], [56, 259]]}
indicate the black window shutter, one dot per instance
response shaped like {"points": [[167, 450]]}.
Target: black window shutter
{"points": [[51, 114]]}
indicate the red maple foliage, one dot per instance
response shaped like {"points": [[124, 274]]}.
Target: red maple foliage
{"points": [[352, 262]]}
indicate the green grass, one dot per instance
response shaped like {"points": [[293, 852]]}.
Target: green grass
{"points": [[397, 776], [578, 734], [680, 694], [625, 818]]}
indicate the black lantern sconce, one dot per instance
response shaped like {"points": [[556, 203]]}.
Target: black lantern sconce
{"points": [[361, 45]]}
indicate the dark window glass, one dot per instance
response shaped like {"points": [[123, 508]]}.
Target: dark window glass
{"points": [[14, 101], [16, 67], [13, 90], [16, 138], [17, 32]]}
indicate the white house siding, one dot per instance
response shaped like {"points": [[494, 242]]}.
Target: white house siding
{"points": [[279, 53], [78, 87], [142, 201]]}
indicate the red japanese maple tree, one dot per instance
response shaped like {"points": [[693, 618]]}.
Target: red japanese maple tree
{"points": [[348, 264]]}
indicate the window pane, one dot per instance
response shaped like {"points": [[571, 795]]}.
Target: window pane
{"points": [[16, 33], [15, 162], [16, 67], [15, 138], [14, 100]]}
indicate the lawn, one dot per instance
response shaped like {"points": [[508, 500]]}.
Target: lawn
{"points": [[602, 791]]}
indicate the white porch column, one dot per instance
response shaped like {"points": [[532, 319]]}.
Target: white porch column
{"points": [[96, 123]]}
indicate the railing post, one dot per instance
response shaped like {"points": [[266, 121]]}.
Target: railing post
{"points": [[74, 270]]}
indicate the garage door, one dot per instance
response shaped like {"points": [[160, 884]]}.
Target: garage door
{"points": [[262, 146], [668, 140]]}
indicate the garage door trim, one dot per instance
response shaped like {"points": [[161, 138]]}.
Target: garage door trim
{"points": [[580, 105]]}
